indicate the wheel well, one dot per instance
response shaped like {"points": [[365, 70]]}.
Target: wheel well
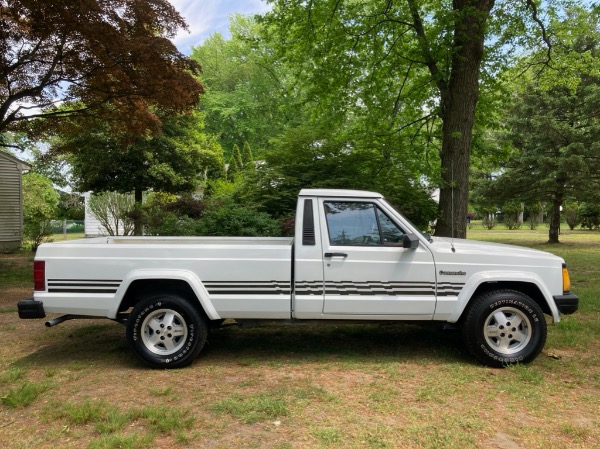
{"points": [[528, 288], [144, 287]]}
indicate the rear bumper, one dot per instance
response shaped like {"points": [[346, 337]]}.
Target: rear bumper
{"points": [[567, 304], [30, 308]]}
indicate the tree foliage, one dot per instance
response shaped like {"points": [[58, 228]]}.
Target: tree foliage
{"points": [[109, 58], [40, 202], [179, 160], [176, 161], [555, 130], [409, 72], [247, 92]]}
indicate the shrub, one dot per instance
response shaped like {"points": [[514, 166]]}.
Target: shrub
{"points": [[165, 214], [112, 210], [489, 217], [572, 215], [40, 202], [533, 209], [237, 220], [512, 214], [590, 215]]}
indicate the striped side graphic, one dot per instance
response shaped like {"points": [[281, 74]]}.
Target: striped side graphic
{"points": [[342, 288], [83, 285], [449, 288], [247, 287]]}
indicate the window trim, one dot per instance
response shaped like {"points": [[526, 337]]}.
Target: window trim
{"points": [[375, 209]]}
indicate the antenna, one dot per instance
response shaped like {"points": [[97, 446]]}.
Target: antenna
{"points": [[452, 207]]}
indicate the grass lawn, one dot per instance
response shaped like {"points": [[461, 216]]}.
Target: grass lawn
{"points": [[67, 236], [77, 385]]}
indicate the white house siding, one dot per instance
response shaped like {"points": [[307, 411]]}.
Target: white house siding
{"points": [[11, 201]]}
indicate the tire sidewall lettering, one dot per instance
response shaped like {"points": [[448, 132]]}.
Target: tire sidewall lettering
{"points": [[190, 346], [483, 307]]}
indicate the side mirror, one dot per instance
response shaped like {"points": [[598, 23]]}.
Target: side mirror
{"points": [[410, 241]]}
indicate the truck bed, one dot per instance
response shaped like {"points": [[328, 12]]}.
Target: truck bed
{"points": [[251, 275]]}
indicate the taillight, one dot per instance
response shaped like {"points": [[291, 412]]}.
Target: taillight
{"points": [[566, 279], [39, 275]]}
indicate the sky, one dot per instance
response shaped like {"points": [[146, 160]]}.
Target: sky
{"points": [[206, 17]]}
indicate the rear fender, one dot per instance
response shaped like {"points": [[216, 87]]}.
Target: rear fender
{"points": [[178, 275]]}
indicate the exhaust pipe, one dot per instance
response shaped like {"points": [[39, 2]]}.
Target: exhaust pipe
{"points": [[61, 319]]}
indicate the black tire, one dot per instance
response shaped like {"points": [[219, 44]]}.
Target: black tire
{"points": [[148, 329], [504, 327]]}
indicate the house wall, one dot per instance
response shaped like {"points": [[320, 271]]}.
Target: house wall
{"points": [[11, 201]]}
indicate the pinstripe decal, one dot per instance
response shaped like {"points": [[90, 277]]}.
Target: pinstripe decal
{"points": [[316, 288], [342, 288], [248, 287], [83, 286]]}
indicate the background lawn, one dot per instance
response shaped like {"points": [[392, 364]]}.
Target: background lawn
{"points": [[402, 386]]}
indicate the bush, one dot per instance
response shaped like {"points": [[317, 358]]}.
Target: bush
{"points": [[488, 215], [533, 210], [170, 224], [112, 211], [590, 215], [165, 214], [572, 215], [512, 212], [234, 220], [40, 202]]}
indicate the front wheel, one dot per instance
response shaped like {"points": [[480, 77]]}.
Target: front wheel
{"points": [[166, 331], [504, 327]]}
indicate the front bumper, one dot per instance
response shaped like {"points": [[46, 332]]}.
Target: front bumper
{"points": [[567, 304], [30, 308]]}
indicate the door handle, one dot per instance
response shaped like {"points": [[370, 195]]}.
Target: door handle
{"points": [[336, 255]]}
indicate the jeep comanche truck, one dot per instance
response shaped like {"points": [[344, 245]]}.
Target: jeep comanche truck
{"points": [[353, 259]]}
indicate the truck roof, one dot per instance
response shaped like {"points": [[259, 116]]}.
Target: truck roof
{"points": [[340, 193]]}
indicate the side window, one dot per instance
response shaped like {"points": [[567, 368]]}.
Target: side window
{"points": [[352, 224], [390, 233], [360, 224]]}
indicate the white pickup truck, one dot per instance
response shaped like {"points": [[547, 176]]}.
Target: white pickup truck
{"points": [[353, 259]]}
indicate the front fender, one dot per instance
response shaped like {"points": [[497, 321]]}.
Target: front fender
{"points": [[499, 277], [178, 275]]}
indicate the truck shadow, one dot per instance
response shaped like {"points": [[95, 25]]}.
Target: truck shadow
{"points": [[103, 344], [352, 342]]}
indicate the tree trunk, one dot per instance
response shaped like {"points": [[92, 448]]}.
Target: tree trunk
{"points": [[554, 231], [138, 225], [458, 102]]}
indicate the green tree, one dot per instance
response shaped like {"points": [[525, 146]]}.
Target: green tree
{"points": [[409, 72], [109, 58], [236, 163], [308, 157], [179, 160], [552, 122], [247, 157], [247, 98], [557, 134], [40, 202]]}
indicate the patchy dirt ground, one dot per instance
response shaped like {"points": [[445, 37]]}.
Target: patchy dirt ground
{"points": [[406, 386]]}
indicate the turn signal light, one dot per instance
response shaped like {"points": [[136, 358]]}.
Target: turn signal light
{"points": [[566, 279], [39, 275]]}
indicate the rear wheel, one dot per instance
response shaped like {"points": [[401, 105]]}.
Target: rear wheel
{"points": [[166, 331], [504, 327]]}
